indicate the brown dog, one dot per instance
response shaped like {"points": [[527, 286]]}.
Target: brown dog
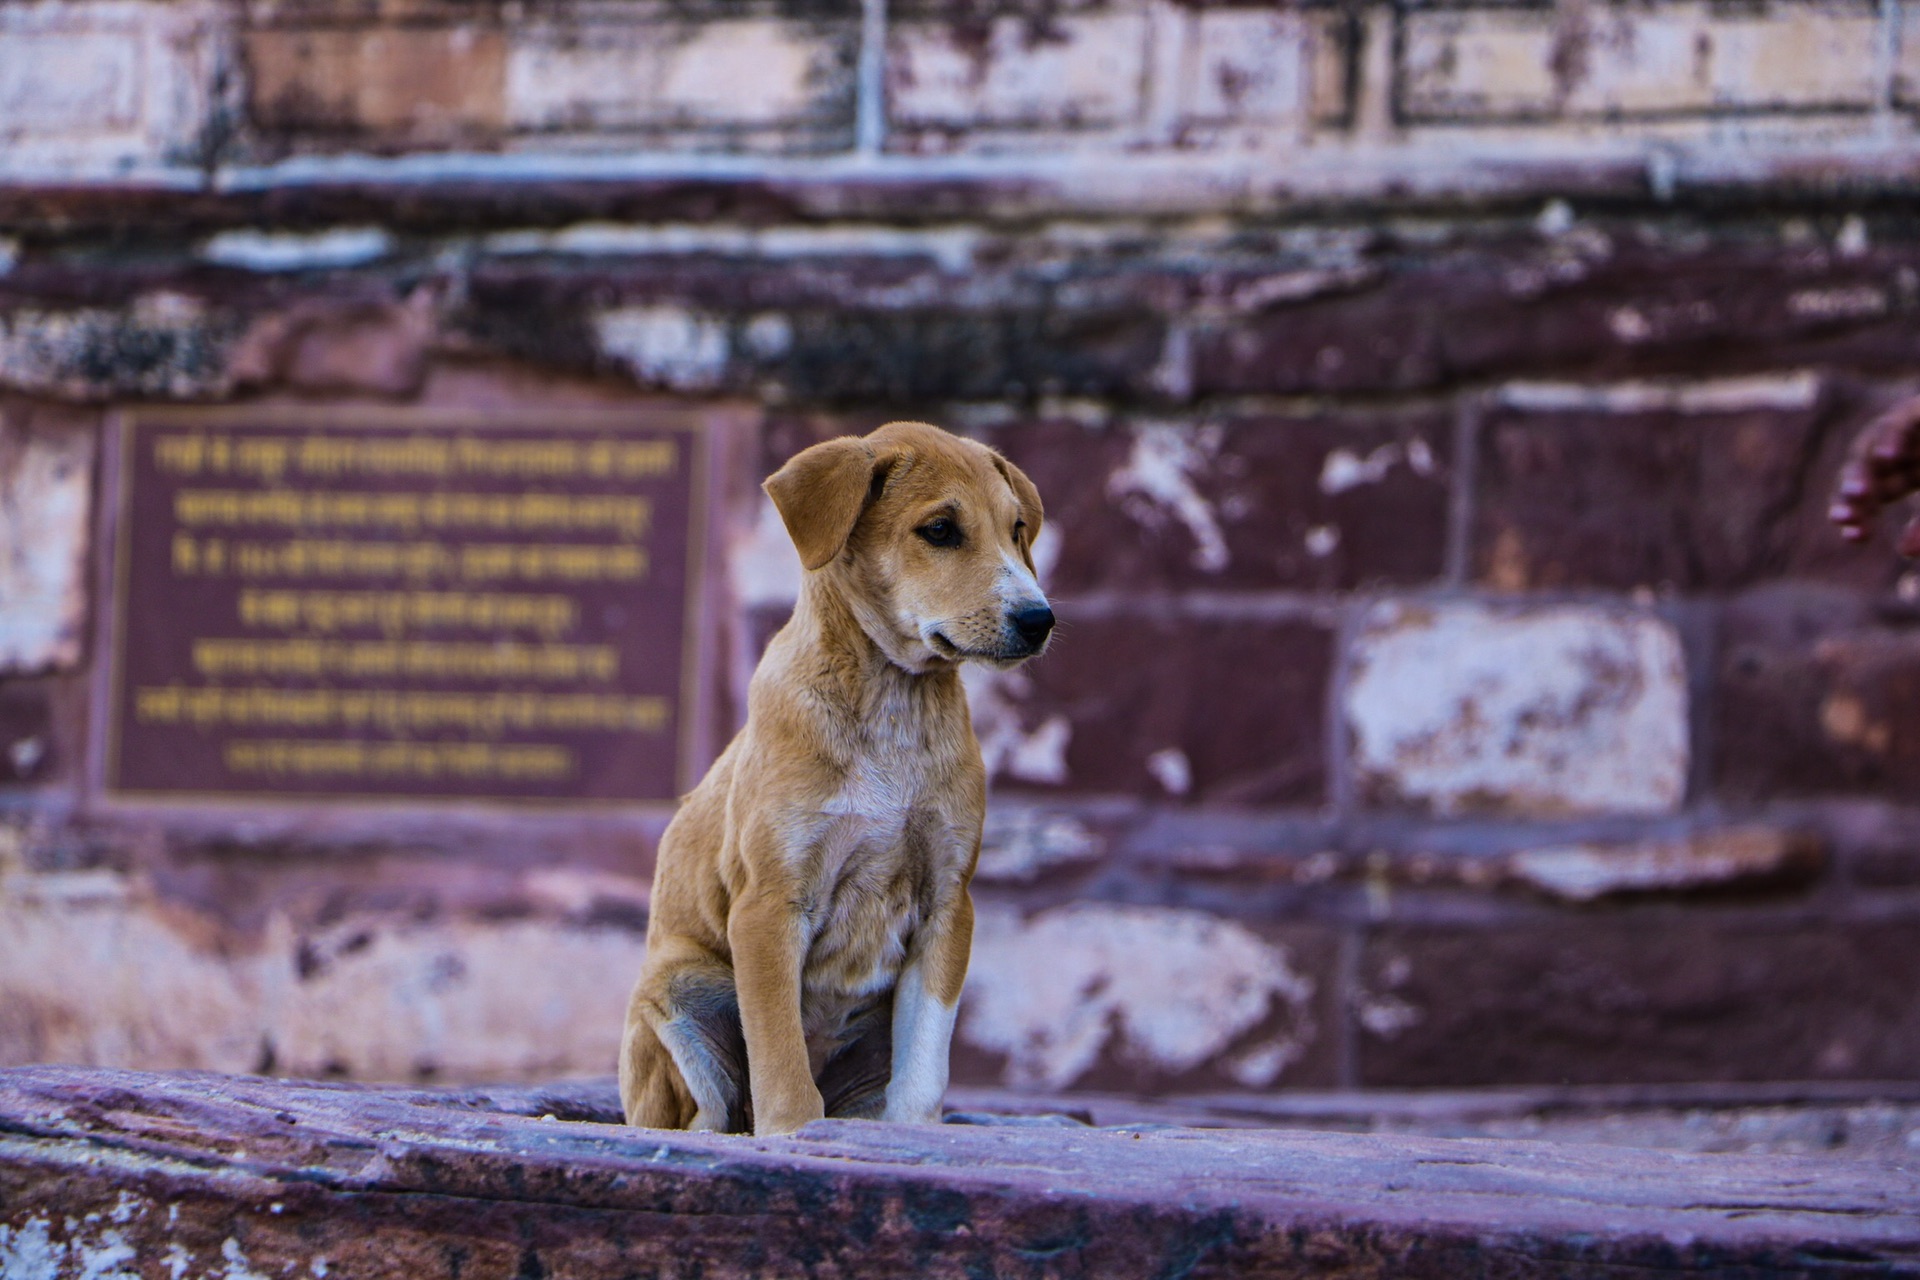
{"points": [[811, 921]]}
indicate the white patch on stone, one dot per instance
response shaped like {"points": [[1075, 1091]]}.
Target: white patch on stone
{"points": [[1629, 325], [1160, 469], [1343, 469], [1008, 747], [1786, 391], [768, 335], [765, 567], [1171, 769], [664, 345], [1322, 540], [1852, 240], [273, 251], [1387, 1016], [45, 508], [1555, 219], [238, 1267], [1585, 872], [1046, 552], [59, 352], [9, 254], [1561, 710], [88, 1252], [1019, 845], [1849, 303], [951, 248], [1173, 988]]}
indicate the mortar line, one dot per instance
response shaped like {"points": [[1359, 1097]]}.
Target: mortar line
{"points": [[1460, 503], [870, 81], [1346, 1048], [1334, 737], [1887, 60]]}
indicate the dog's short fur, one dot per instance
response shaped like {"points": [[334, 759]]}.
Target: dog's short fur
{"points": [[811, 921]]}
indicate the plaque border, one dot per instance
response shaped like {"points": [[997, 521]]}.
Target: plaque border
{"points": [[699, 426]]}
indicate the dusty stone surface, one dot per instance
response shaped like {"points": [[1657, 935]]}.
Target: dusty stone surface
{"points": [[119, 1170], [1550, 711], [46, 511]]}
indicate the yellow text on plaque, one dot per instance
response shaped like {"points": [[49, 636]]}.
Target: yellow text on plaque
{"points": [[623, 515], [221, 659], [396, 760], [398, 612], [397, 712]]}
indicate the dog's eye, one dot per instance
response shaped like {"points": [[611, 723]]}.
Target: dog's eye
{"points": [[1019, 527], [940, 533]]}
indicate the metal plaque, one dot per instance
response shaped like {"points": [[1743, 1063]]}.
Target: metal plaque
{"points": [[408, 606]]}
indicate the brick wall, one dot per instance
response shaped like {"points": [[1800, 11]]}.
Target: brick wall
{"points": [[1435, 410]]}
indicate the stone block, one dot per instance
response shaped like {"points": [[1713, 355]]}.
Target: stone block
{"points": [[1264, 66], [1142, 999], [715, 83], [1566, 710], [384, 86], [1369, 339], [950, 81], [1815, 697], [1163, 706], [1641, 997], [95, 969], [46, 515], [1613, 60], [104, 86], [1240, 502], [1685, 495]]}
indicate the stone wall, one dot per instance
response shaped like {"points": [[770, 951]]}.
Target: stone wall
{"points": [[1435, 408]]}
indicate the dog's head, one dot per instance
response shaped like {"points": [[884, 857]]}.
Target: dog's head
{"points": [[929, 539]]}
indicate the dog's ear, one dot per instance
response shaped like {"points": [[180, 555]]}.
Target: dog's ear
{"points": [[821, 492], [1029, 499]]}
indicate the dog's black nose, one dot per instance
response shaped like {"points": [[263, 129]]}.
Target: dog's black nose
{"points": [[1033, 624]]}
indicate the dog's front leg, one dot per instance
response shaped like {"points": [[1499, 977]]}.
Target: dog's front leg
{"points": [[769, 949], [925, 1002]]}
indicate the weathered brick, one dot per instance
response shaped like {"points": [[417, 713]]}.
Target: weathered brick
{"points": [[1644, 997], [1260, 66], [384, 86], [1612, 60], [46, 512], [1145, 999], [94, 969], [1158, 705], [1237, 502], [103, 85], [1685, 494], [949, 81], [1815, 696], [715, 84], [1563, 710]]}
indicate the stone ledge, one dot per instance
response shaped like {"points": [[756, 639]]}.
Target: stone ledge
{"points": [[108, 1170]]}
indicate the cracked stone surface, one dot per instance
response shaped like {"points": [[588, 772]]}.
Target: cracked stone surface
{"points": [[128, 1173]]}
